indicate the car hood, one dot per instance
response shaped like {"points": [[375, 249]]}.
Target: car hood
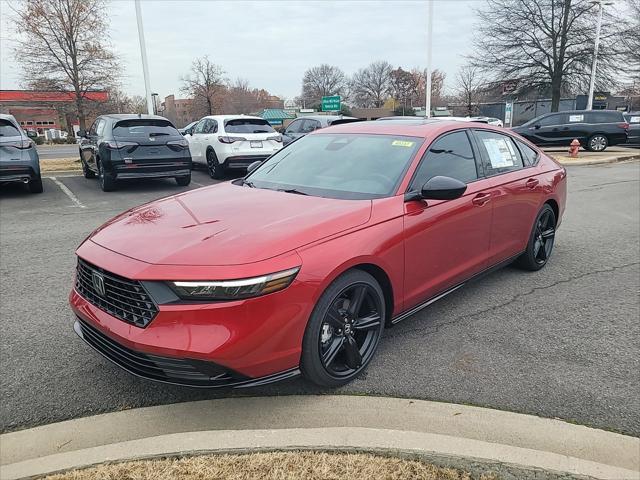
{"points": [[227, 224]]}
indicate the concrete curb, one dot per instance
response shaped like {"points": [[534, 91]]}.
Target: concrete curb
{"points": [[599, 161], [473, 438]]}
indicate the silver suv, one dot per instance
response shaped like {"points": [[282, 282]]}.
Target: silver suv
{"points": [[19, 160]]}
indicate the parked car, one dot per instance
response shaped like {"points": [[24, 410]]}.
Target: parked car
{"points": [[188, 129], [309, 123], [487, 120], [19, 160], [224, 142], [633, 134], [490, 120], [594, 129], [126, 146], [299, 266]]}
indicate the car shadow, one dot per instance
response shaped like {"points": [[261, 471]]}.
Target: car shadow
{"points": [[14, 190]]}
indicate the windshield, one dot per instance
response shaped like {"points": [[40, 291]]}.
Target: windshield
{"points": [[144, 127], [248, 125], [349, 166]]}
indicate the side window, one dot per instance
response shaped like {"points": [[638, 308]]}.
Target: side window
{"points": [[92, 130], [200, 126], [550, 120], [211, 126], [100, 127], [450, 156], [294, 127], [310, 125], [500, 154], [529, 155], [603, 117]]}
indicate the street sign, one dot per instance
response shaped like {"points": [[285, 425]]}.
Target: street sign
{"points": [[508, 112], [331, 104]]}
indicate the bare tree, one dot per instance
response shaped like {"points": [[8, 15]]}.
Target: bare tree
{"points": [[437, 86], [403, 86], [631, 38], [370, 86], [469, 83], [547, 44], [321, 81], [55, 46], [204, 84]]}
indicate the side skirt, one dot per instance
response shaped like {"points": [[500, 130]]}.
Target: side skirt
{"points": [[487, 271]]}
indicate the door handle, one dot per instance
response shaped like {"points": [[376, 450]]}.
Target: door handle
{"points": [[532, 183], [481, 199]]}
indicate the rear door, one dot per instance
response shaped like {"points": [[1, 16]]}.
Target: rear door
{"points": [[446, 241], [12, 143], [516, 192], [149, 142]]}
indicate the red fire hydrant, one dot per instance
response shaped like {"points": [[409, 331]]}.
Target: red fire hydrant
{"points": [[573, 149]]}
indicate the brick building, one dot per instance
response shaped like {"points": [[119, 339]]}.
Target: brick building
{"points": [[178, 110]]}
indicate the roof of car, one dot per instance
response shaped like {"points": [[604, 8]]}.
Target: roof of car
{"points": [[418, 128], [132, 116], [232, 117]]}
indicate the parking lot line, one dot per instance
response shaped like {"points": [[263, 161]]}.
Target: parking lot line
{"points": [[68, 192], [198, 184]]}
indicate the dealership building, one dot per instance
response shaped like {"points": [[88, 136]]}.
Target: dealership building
{"points": [[43, 110]]}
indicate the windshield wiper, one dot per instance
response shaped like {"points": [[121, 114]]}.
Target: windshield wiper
{"points": [[292, 190], [248, 183]]}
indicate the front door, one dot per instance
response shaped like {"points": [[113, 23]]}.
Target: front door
{"points": [[446, 241]]}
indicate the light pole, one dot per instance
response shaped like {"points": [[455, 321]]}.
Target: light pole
{"points": [[592, 81], [143, 53], [427, 89]]}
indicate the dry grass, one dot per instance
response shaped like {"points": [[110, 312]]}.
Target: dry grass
{"points": [[60, 165], [271, 466]]}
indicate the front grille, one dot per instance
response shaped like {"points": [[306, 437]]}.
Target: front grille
{"points": [[123, 298], [195, 373]]}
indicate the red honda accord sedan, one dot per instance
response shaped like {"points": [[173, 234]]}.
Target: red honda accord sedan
{"points": [[298, 267]]}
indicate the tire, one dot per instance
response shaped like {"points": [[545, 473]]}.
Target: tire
{"points": [[183, 181], [35, 185], [216, 171], [86, 171], [107, 182], [597, 143], [334, 334], [541, 240]]}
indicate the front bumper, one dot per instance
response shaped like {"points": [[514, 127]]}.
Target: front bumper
{"points": [[177, 371]]}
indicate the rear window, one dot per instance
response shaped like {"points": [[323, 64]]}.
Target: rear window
{"points": [[247, 125], [144, 128], [7, 129]]}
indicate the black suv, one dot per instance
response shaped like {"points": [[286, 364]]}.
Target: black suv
{"points": [[127, 146], [595, 129]]}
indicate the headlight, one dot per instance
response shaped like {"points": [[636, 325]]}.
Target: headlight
{"points": [[235, 289]]}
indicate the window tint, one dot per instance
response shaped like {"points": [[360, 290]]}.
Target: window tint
{"points": [[310, 125], [294, 127], [210, 126], [604, 117], [144, 127], [92, 131], [200, 126], [7, 129], [550, 120], [100, 127], [500, 154], [529, 155], [247, 125], [339, 165], [450, 156]]}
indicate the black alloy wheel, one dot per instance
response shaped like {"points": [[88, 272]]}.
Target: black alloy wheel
{"points": [[107, 183], [345, 329], [541, 241], [216, 171]]}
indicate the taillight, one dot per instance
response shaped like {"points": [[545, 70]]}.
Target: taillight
{"points": [[624, 125], [231, 139], [277, 138], [23, 144], [112, 145], [178, 144]]}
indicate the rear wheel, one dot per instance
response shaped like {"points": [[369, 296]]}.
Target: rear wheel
{"points": [[597, 143], [344, 330], [35, 185], [216, 170], [183, 181], [107, 182], [541, 241]]}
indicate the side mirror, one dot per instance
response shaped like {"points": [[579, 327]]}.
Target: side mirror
{"points": [[443, 188], [536, 127], [253, 166], [82, 133], [32, 134]]}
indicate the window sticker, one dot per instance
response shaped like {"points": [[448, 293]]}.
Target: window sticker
{"points": [[634, 120], [576, 118], [402, 143], [501, 152]]}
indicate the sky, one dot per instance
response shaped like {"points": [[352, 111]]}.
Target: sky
{"points": [[272, 43]]}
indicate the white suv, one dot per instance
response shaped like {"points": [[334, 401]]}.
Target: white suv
{"points": [[224, 142]]}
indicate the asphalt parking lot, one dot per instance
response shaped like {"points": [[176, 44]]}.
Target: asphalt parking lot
{"points": [[562, 342]]}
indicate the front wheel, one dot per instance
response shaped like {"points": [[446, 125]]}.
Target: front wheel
{"points": [[86, 171], [541, 241], [344, 330], [597, 143]]}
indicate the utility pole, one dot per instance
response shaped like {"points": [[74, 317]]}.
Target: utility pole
{"points": [[592, 82], [427, 88], [143, 53]]}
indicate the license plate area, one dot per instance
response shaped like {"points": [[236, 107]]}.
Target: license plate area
{"points": [[256, 143]]}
